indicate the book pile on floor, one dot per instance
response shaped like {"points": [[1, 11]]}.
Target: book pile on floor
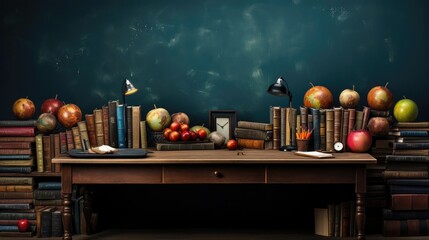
{"points": [[48, 205], [407, 180], [336, 220], [17, 143]]}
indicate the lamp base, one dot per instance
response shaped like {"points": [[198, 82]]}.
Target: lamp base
{"points": [[287, 148]]}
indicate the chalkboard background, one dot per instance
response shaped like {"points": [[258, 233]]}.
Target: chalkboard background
{"points": [[196, 56]]}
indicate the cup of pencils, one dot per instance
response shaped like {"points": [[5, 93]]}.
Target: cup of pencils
{"points": [[302, 139]]}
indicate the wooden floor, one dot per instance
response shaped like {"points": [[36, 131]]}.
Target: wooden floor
{"points": [[210, 234]]}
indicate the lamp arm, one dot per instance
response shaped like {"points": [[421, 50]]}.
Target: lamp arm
{"points": [[289, 94]]}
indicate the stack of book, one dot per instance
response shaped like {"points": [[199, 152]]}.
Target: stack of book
{"points": [[254, 135], [407, 179], [336, 220], [17, 146]]}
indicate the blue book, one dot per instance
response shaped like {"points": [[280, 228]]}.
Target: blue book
{"points": [[49, 185], [120, 119], [411, 145], [403, 189], [15, 157], [408, 182], [7, 169], [4, 206], [409, 133]]}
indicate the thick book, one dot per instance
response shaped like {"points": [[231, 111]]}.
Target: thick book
{"points": [[322, 129], [16, 188], [407, 227], [304, 117], [17, 131], [15, 151], [16, 195], [402, 189], [329, 130], [276, 126], [389, 214], [63, 142], [409, 133], [49, 185], [21, 169], [321, 222], [365, 116], [316, 128], [47, 194], [408, 182], [17, 139], [338, 119], [407, 158], [414, 145], [421, 152], [359, 119], [83, 133], [293, 124], [254, 143], [17, 215], [69, 139], [77, 141], [255, 125], [424, 124], [18, 123], [11, 163], [46, 222], [184, 146], [105, 116], [352, 119], [405, 174], [14, 206], [90, 127], [120, 119], [409, 202], [143, 134], [56, 224], [16, 201], [253, 133], [16, 180], [345, 127], [48, 153], [128, 118], [18, 145], [135, 129], [99, 129], [113, 124]]}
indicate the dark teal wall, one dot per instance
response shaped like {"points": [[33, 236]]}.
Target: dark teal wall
{"points": [[194, 56]]}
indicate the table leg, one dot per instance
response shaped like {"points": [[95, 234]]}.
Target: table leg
{"points": [[87, 209], [360, 201], [66, 192]]}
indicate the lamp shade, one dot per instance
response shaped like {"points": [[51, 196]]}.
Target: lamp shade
{"points": [[278, 88], [128, 88]]}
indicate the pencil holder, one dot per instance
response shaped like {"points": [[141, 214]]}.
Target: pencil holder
{"points": [[302, 144]]}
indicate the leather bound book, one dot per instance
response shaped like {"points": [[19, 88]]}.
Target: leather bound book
{"points": [[113, 124], [16, 188], [69, 139], [15, 145], [282, 126], [135, 132], [83, 133], [253, 133], [352, 119], [256, 125], [253, 143], [143, 134], [39, 153], [121, 125], [408, 133], [57, 224], [365, 116], [16, 180], [129, 127], [47, 153], [405, 174], [76, 138], [389, 214], [16, 195], [329, 130], [56, 167], [411, 125], [46, 222], [409, 202], [17, 131], [27, 162], [338, 118], [18, 123], [378, 113], [316, 128], [421, 152], [293, 125], [13, 151], [287, 126], [63, 142], [106, 132], [345, 127], [411, 145], [17, 139], [408, 227], [407, 158], [359, 120], [276, 127], [90, 127], [304, 117], [99, 130], [322, 129]]}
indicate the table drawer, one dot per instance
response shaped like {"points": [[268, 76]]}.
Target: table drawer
{"points": [[214, 174], [311, 174]]}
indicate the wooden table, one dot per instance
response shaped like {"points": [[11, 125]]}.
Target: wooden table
{"points": [[217, 167]]}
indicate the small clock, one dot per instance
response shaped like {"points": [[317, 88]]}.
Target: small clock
{"points": [[223, 122], [338, 146]]}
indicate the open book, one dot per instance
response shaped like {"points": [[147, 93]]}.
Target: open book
{"points": [[314, 154]]}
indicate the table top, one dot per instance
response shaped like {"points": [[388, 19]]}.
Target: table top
{"points": [[224, 156]]}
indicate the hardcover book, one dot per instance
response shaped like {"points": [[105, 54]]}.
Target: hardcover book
{"points": [[17, 131], [106, 132], [409, 202], [113, 124], [121, 125], [18, 123], [184, 146], [389, 214], [254, 143], [90, 127], [407, 227], [99, 128], [255, 125], [253, 133], [135, 130]]}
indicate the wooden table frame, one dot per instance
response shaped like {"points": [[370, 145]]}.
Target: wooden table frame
{"points": [[216, 167]]}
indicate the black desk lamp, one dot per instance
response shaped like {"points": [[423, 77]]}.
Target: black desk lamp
{"points": [[127, 89], [279, 89]]}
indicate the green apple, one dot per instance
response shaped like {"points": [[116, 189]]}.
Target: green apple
{"points": [[406, 110]]}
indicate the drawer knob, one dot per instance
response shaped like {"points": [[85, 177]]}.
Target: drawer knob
{"points": [[217, 174]]}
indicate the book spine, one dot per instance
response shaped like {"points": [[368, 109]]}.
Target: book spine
{"points": [[409, 227], [28, 162], [323, 130], [388, 214], [405, 174], [83, 133], [13, 151], [329, 130], [47, 153], [359, 120], [143, 134], [6, 169], [16, 188], [409, 182], [276, 127], [105, 116], [409, 133], [90, 127], [316, 128], [128, 127], [49, 185], [15, 206], [365, 116], [16, 180], [256, 125], [16, 195], [57, 224], [57, 152], [345, 127], [17, 131], [282, 126], [409, 202], [338, 117], [69, 138], [378, 113], [293, 124], [411, 145], [121, 125], [63, 142], [76, 138], [99, 128], [287, 127], [401, 189], [18, 123], [251, 143], [304, 117], [17, 145], [352, 119], [39, 153], [47, 194], [186, 146], [17, 215], [253, 133], [113, 124], [135, 133], [412, 124], [422, 152], [405, 158]]}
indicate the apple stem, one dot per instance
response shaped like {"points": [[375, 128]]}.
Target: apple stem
{"points": [[56, 96], [353, 87], [154, 106], [311, 84], [386, 84], [404, 97]]}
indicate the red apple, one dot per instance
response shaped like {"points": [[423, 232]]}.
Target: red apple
{"points": [[23, 225], [69, 115], [166, 133], [51, 105], [184, 127], [23, 108], [318, 97], [405, 110], [349, 98], [175, 126], [174, 136], [359, 141], [194, 135], [202, 134], [380, 98], [185, 136], [231, 144], [180, 117], [379, 126]]}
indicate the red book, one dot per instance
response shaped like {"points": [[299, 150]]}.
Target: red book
{"points": [[17, 131], [19, 145]]}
